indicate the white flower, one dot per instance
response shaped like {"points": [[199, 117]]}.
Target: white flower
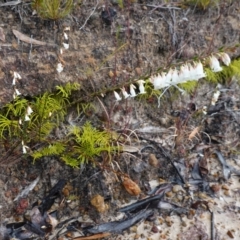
{"points": [[66, 45], [29, 110], [17, 92], [141, 86], [168, 78], [65, 36], [184, 74], [67, 29], [132, 91], [61, 51], [198, 71], [26, 118], [24, 148], [14, 81], [117, 96], [125, 93], [174, 76], [159, 81], [59, 67], [215, 97], [20, 121], [16, 75], [225, 58], [204, 110], [214, 64]]}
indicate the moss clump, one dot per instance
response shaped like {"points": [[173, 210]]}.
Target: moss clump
{"points": [[82, 145]]}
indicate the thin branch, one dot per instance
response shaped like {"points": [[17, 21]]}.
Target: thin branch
{"points": [[89, 16]]}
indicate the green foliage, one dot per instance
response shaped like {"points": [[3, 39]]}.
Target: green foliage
{"points": [[232, 70], [80, 147], [89, 143], [56, 148], [188, 86], [52, 9], [228, 72], [48, 109]]}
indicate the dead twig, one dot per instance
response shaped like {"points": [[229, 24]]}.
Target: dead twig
{"points": [[89, 16], [29, 40], [12, 3]]}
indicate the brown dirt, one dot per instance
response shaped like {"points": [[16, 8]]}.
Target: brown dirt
{"points": [[143, 37]]}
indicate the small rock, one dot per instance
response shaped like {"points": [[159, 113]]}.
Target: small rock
{"points": [[215, 188], [137, 236], [177, 188], [184, 224], [155, 229], [225, 187], [168, 221], [227, 193], [169, 194]]}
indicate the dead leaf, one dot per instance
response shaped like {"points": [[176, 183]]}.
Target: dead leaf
{"points": [[194, 132], [27, 39], [95, 236], [2, 35], [131, 187]]}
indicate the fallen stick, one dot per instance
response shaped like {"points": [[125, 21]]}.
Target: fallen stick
{"points": [[29, 40]]}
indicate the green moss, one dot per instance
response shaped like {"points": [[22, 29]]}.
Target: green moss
{"points": [[89, 142], [81, 146]]}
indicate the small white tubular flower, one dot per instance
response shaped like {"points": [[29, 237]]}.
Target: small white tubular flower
{"points": [[117, 96], [184, 74], [14, 81], [132, 91], [24, 148], [168, 78], [175, 76], [214, 64], [159, 81], [16, 75], [125, 93], [66, 45], [204, 110], [198, 71], [156, 81], [215, 97], [26, 118], [59, 67], [192, 72], [225, 58], [20, 121], [65, 36], [17, 92], [29, 110], [141, 86], [67, 29]]}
